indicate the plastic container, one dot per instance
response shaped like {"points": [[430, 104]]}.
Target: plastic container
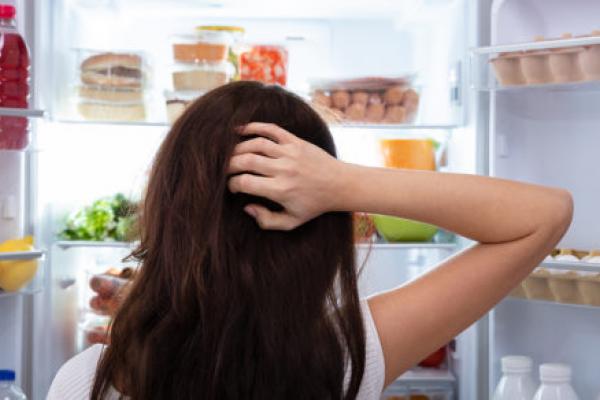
{"points": [[106, 292], [556, 383], [8, 389], [207, 45], [516, 382], [177, 102], [235, 36], [14, 81], [264, 63], [201, 76], [93, 330]]}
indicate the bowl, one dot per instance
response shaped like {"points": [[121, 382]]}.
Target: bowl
{"points": [[394, 229]]}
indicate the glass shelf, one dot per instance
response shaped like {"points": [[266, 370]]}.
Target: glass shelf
{"points": [[554, 303], [408, 246], [21, 255], [359, 126], [21, 112], [429, 375], [68, 244]]}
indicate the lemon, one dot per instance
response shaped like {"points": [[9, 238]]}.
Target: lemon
{"points": [[16, 274]]}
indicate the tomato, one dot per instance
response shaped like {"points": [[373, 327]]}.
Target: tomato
{"points": [[435, 359]]}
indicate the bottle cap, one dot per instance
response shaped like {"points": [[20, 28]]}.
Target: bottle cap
{"points": [[516, 364], [7, 375], [555, 373], [7, 11]]}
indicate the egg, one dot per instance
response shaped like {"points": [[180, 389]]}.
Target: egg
{"points": [[395, 114], [375, 98], [321, 98], [356, 112], [394, 95], [340, 99], [360, 97], [411, 101], [375, 112]]}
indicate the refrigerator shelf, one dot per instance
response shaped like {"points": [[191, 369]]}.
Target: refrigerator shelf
{"points": [[68, 244], [553, 303], [572, 266], [21, 112], [426, 375], [408, 246], [393, 127], [582, 86], [22, 255], [538, 45]]}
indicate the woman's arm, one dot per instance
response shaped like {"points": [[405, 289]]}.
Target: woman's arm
{"points": [[515, 224]]}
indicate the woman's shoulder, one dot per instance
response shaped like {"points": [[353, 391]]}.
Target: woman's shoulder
{"points": [[75, 378]]}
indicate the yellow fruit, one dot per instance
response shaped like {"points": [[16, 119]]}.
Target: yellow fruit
{"points": [[16, 274]]}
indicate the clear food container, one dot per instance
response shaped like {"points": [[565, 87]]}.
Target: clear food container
{"points": [[107, 290], [114, 69], [108, 111], [234, 35], [93, 329], [367, 100], [207, 44], [177, 102], [201, 76], [264, 63]]}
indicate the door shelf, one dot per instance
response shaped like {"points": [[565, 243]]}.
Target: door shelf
{"points": [[407, 246], [554, 303], [21, 112], [68, 244], [572, 266], [22, 255], [551, 65], [426, 375]]}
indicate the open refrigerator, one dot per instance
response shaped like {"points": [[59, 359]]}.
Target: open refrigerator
{"points": [[542, 132]]}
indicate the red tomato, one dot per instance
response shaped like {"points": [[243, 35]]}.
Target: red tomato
{"points": [[435, 359]]}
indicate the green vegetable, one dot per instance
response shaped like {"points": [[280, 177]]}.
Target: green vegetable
{"points": [[107, 219]]}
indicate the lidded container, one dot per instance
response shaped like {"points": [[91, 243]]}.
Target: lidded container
{"points": [[208, 44], [516, 382], [556, 383], [8, 389]]}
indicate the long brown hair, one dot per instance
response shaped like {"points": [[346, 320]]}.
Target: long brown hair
{"points": [[222, 309]]}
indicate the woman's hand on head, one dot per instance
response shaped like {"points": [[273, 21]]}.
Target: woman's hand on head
{"points": [[278, 165]]}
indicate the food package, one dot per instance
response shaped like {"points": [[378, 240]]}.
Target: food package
{"points": [[366, 100], [201, 76], [264, 63], [112, 86], [109, 290], [177, 102]]}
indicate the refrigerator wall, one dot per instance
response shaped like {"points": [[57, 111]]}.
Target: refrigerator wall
{"points": [[549, 135]]}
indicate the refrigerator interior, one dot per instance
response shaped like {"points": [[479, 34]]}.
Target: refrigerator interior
{"points": [[549, 136], [80, 161]]}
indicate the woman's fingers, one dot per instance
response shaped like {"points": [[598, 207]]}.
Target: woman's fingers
{"points": [[267, 130], [254, 185], [259, 145], [255, 163], [268, 219]]}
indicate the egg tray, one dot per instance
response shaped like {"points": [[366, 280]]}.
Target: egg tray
{"points": [[568, 287], [548, 66]]}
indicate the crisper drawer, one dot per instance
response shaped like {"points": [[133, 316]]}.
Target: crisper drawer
{"points": [[404, 391]]}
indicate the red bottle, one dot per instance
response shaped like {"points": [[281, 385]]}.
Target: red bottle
{"points": [[14, 81]]}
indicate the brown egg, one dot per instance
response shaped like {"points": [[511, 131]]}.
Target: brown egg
{"points": [[411, 101], [375, 112], [375, 98], [394, 95], [395, 114], [356, 112], [321, 98], [340, 99], [360, 97]]}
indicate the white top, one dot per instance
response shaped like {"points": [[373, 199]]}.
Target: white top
{"points": [[75, 379]]}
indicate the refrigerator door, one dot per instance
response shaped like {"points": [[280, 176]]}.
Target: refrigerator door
{"points": [[544, 129]]}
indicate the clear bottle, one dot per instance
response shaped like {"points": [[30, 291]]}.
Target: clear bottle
{"points": [[516, 382], [14, 80], [8, 389], [556, 383]]}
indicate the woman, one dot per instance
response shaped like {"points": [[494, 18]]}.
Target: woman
{"points": [[247, 287]]}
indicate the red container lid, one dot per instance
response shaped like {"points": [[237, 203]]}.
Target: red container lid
{"points": [[7, 11]]}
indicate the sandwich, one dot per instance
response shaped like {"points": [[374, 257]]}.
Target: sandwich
{"points": [[112, 69]]}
